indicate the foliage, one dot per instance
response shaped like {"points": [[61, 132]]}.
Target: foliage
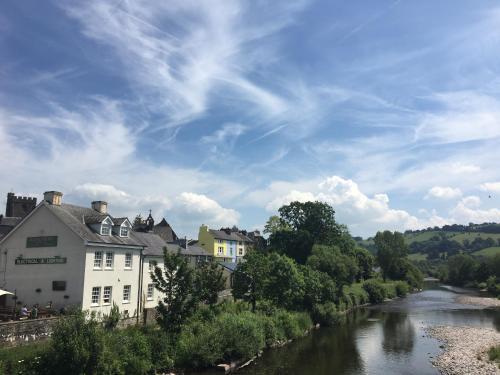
{"points": [[22, 359], [391, 248], [295, 244], [494, 353], [128, 352], [365, 261], [275, 224], [325, 314], [175, 281], [402, 288], [375, 289], [209, 282], [111, 320], [461, 269], [249, 278], [329, 259], [318, 287]]}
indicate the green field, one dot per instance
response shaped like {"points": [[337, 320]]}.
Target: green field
{"points": [[471, 235], [488, 252], [425, 236]]}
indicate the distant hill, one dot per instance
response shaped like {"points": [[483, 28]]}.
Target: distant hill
{"points": [[439, 243]]}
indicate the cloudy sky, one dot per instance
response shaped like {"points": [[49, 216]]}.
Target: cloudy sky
{"points": [[219, 112]]}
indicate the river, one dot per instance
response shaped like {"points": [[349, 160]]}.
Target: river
{"points": [[383, 339]]}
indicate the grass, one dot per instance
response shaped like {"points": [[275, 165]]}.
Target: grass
{"points": [[488, 252], [494, 354], [471, 235], [417, 257]]}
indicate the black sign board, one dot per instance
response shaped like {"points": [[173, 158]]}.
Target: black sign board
{"points": [[54, 260], [43, 241]]}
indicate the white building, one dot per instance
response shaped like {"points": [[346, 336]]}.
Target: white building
{"points": [[70, 255]]}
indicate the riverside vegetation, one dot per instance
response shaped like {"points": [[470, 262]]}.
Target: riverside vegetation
{"points": [[309, 272]]}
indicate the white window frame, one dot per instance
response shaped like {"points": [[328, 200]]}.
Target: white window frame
{"points": [[128, 261], [150, 292], [106, 227], [220, 250], [126, 229], [108, 289], [240, 251], [98, 260], [127, 292], [107, 258], [219, 241], [95, 296]]}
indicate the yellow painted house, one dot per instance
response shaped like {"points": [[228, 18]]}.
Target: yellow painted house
{"points": [[228, 245]]}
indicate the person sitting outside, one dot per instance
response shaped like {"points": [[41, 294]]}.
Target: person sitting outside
{"points": [[24, 313], [34, 312]]}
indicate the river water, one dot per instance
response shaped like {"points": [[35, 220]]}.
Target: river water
{"points": [[383, 339]]}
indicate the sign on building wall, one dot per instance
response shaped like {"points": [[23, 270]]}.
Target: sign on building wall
{"points": [[53, 260], [43, 241]]}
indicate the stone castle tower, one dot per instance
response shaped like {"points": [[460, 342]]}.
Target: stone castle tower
{"points": [[18, 206]]}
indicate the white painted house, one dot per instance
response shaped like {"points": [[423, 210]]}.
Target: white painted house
{"points": [[70, 255]]}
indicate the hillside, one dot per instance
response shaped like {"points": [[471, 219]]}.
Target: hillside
{"points": [[482, 240]]}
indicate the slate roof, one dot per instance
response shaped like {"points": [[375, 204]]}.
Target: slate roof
{"points": [[119, 220], [193, 249], [10, 221], [78, 218], [155, 244], [232, 236], [165, 231]]}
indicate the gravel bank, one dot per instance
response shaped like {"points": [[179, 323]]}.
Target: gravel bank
{"points": [[465, 350], [479, 301]]}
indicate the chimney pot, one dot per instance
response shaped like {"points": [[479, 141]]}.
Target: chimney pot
{"points": [[53, 197], [100, 206]]}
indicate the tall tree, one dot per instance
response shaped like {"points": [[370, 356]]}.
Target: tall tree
{"points": [[175, 281], [209, 282], [249, 278], [391, 248], [275, 224]]}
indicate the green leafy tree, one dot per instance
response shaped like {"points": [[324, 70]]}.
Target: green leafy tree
{"points": [[391, 248], [284, 286], [365, 261], [461, 269], [319, 288], [175, 281], [275, 224], [330, 260], [249, 278], [295, 244], [209, 282]]}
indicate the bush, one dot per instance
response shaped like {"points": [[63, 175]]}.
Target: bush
{"points": [[130, 350], [390, 290], [375, 289], [22, 359], [494, 354], [357, 294], [326, 314], [162, 353], [402, 288]]}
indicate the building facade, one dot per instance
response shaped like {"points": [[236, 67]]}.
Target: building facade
{"points": [[226, 245]]}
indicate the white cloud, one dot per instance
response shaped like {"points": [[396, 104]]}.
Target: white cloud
{"points": [[491, 187], [471, 201], [443, 192], [463, 213]]}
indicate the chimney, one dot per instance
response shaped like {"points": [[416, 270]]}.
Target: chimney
{"points": [[53, 197], [100, 206]]}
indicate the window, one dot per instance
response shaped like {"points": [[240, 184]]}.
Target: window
{"points": [[220, 241], [96, 296], [98, 259], [126, 293], [240, 243], [105, 229], [109, 259], [106, 295], [240, 251], [220, 250], [151, 290], [152, 264], [123, 232], [231, 251], [58, 285], [128, 260]]}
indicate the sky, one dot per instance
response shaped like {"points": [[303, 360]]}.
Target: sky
{"points": [[219, 112]]}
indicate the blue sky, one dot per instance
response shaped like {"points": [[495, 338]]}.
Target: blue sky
{"points": [[219, 112]]}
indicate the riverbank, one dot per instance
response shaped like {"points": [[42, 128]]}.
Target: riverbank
{"points": [[479, 301], [465, 350]]}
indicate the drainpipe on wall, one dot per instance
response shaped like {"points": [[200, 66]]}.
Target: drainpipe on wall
{"points": [[139, 295]]}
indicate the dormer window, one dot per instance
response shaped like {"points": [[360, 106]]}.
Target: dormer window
{"points": [[106, 226], [124, 231]]}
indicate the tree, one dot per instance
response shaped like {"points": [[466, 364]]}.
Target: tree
{"points": [[391, 247], [365, 261], [249, 278], [275, 224], [295, 244], [284, 286], [461, 269], [319, 288], [175, 281], [209, 282], [330, 260], [317, 218]]}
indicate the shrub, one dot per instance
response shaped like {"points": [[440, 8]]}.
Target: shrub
{"points": [[111, 320], [402, 288], [494, 354], [357, 294], [390, 290], [162, 353], [375, 289], [130, 350], [22, 359], [326, 314]]}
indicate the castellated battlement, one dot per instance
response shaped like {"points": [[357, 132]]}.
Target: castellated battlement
{"points": [[19, 206]]}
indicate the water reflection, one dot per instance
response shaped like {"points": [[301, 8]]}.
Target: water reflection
{"points": [[399, 333]]}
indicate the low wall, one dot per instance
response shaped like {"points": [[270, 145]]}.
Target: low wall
{"points": [[19, 332]]}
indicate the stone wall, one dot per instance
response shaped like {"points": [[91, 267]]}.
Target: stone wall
{"points": [[19, 332]]}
